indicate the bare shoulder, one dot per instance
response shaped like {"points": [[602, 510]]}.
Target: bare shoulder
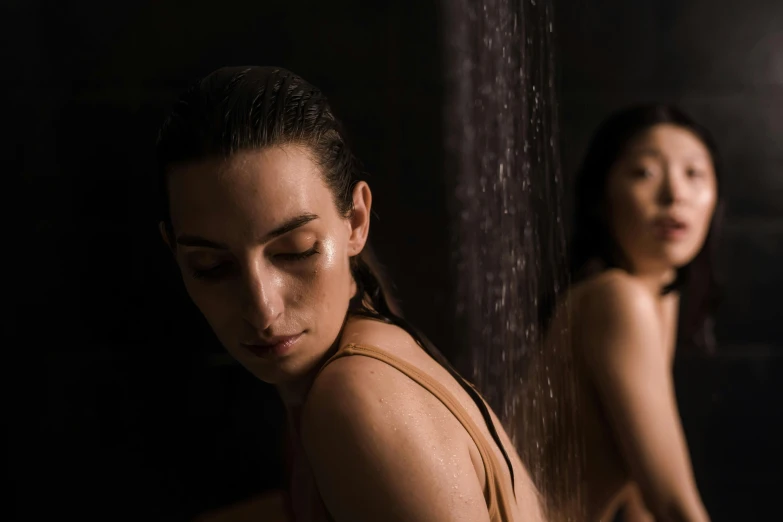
{"points": [[615, 316], [613, 296], [372, 436], [363, 393], [353, 386]]}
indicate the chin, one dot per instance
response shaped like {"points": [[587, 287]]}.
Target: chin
{"points": [[281, 370], [678, 257]]}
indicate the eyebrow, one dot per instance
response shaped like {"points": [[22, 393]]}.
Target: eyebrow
{"points": [[288, 226]]}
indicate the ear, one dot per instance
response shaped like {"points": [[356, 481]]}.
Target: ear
{"points": [[360, 218], [165, 235]]}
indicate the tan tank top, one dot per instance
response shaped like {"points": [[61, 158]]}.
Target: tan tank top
{"points": [[496, 493]]}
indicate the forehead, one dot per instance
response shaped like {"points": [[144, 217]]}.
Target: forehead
{"points": [[249, 190], [668, 140]]}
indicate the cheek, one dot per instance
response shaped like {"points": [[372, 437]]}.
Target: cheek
{"points": [[331, 253], [207, 299], [321, 286], [213, 300], [703, 206], [331, 282], [335, 271], [704, 201], [628, 210]]}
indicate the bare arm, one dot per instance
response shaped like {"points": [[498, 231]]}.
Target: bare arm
{"points": [[380, 451], [623, 345]]}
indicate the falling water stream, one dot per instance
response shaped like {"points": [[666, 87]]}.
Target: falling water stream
{"points": [[501, 143]]}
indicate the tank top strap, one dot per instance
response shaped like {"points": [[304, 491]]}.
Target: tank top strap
{"points": [[495, 493]]}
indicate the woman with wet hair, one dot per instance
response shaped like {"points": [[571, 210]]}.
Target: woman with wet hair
{"points": [[646, 201], [268, 218]]}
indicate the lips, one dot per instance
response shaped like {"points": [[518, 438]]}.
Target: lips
{"points": [[273, 347], [670, 228]]}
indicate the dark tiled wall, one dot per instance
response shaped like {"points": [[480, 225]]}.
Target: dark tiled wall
{"points": [[723, 62]]}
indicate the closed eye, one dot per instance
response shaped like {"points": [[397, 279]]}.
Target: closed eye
{"points": [[298, 256], [214, 272]]}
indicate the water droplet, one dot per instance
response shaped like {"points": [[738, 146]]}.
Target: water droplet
{"points": [[508, 175]]}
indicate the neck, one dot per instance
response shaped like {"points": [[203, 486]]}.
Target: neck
{"points": [[655, 278], [294, 392]]}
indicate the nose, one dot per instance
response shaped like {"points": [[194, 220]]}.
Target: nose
{"points": [[263, 300], [672, 187]]}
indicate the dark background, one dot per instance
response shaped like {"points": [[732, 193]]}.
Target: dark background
{"points": [[120, 404]]}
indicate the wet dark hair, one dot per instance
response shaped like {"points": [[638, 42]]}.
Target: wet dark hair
{"points": [[237, 109], [592, 247]]}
